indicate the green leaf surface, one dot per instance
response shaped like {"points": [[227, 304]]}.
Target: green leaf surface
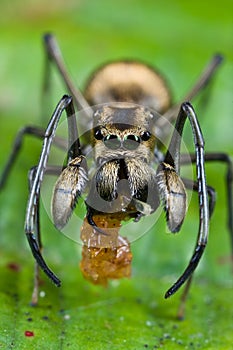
{"points": [[179, 38]]}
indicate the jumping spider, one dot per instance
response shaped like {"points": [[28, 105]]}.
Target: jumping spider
{"points": [[125, 150]]}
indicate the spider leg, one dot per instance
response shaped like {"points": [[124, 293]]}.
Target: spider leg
{"points": [[172, 157], [224, 158], [32, 207], [54, 54], [51, 170], [204, 79], [27, 130], [181, 309], [193, 185], [31, 177]]}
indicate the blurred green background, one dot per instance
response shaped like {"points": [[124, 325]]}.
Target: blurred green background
{"points": [[178, 37]]}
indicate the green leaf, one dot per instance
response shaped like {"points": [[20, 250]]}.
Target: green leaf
{"points": [[178, 38]]}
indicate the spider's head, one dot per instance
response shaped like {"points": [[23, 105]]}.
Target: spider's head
{"points": [[123, 130]]}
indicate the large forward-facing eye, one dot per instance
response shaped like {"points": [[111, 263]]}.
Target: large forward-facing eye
{"points": [[112, 141], [131, 142]]}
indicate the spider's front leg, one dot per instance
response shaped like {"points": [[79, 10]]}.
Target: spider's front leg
{"points": [[169, 182], [74, 182], [67, 190], [173, 197]]}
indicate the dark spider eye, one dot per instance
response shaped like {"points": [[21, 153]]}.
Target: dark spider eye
{"points": [[98, 134], [131, 142], [145, 136], [112, 141]]}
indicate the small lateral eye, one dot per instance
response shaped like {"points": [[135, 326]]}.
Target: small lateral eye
{"points": [[98, 134], [145, 135]]}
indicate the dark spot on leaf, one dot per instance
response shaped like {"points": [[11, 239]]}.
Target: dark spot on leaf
{"points": [[29, 334], [13, 266]]}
